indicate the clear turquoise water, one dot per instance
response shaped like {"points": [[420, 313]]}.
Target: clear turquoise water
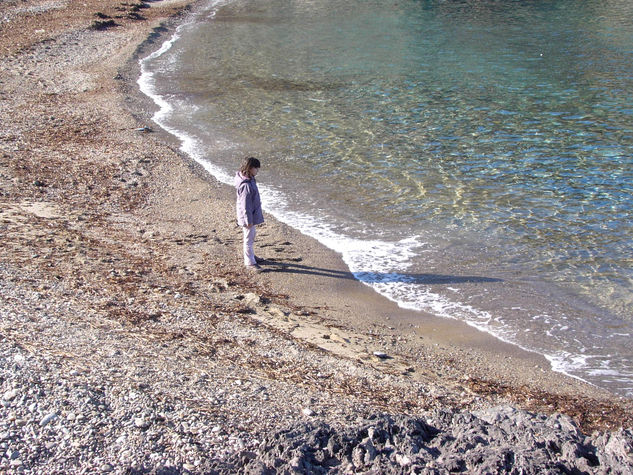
{"points": [[471, 159]]}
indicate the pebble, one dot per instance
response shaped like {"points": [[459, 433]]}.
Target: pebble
{"points": [[403, 460], [141, 423], [10, 395], [308, 412], [48, 418]]}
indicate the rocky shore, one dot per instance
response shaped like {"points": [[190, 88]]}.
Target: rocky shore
{"points": [[132, 341]]}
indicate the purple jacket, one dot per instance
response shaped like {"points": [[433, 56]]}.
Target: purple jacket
{"points": [[248, 206]]}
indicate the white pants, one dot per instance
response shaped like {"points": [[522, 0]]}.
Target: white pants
{"points": [[249, 240]]}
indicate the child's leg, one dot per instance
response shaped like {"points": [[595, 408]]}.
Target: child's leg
{"points": [[249, 240]]}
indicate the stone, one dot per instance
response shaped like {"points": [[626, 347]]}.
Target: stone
{"points": [[251, 299], [504, 439], [48, 419], [403, 460], [141, 423], [10, 395]]}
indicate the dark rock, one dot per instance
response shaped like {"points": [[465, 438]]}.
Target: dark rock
{"points": [[498, 440], [100, 25]]}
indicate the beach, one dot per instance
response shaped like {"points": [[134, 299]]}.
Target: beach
{"points": [[132, 338]]}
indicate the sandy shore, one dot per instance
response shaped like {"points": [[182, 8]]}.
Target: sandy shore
{"points": [[122, 283]]}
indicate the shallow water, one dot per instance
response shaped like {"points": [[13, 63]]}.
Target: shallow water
{"points": [[471, 159]]}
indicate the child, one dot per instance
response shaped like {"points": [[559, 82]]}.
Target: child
{"points": [[249, 208]]}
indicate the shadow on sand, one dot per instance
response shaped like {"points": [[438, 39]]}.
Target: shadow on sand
{"points": [[374, 277]]}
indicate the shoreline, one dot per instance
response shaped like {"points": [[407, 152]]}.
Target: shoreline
{"points": [[486, 306], [379, 310], [131, 337]]}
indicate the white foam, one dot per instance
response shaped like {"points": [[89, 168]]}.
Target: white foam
{"points": [[567, 363], [146, 82]]}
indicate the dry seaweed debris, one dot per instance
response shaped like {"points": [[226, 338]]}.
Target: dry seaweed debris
{"points": [[590, 414]]}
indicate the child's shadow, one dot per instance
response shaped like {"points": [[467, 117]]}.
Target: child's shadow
{"points": [[273, 266]]}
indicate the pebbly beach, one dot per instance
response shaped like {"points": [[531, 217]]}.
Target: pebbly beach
{"points": [[132, 340]]}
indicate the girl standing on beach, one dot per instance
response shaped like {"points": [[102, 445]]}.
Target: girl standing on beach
{"points": [[249, 208]]}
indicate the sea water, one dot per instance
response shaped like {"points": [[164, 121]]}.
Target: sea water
{"points": [[472, 159]]}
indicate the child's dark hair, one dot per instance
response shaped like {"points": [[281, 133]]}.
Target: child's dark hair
{"points": [[249, 162]]}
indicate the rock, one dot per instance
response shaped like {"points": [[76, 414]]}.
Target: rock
{"points": [[308, 412], [10, 395], [277, 312], [381, 355], [48, 419], [141, 423], [339, 338], [615, 450], [251, 299], [100, 25], [403, 460], [358, 457], [499, 440]]}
